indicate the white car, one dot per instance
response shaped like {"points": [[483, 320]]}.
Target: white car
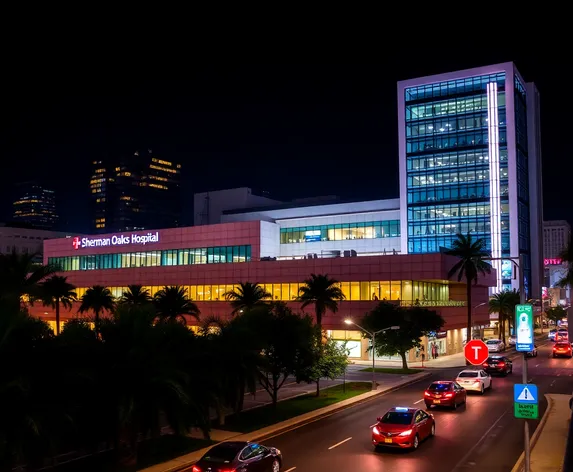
{"points": [[495, 345], [474, 380], [512, 340]]}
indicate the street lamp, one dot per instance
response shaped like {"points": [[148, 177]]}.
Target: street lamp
{"points": [[477, 306], [372, 335]]}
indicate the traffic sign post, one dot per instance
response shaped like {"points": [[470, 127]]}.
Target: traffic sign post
{"points": [[525, 401], [476, 352], [524, 330]]}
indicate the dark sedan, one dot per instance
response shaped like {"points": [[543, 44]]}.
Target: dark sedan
{"points": [[498, 365], [240, 456]]}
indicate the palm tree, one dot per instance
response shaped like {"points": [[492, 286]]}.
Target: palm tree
{"points": [[567, 258], [504, 303], [322, 292], [172, 303], [136, 295], [55, 291], [20, 276], [471, 254], [97, 299], [246, 296]]}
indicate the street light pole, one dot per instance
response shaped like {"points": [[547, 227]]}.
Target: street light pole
{"points": [[372, 335]]}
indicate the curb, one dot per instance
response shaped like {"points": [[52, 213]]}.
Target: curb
{"points": [[519, 464], [297, 424]]}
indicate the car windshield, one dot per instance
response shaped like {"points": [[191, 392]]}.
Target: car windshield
{"points": [[396, 417], [468, 374], [224, 453], [492, 341], [440, 387], [561, 345]]}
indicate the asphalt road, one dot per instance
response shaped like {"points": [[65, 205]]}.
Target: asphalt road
{"points": [[483, 435]]}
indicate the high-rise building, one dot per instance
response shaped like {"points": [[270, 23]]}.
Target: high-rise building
{"points": [[134, 192], [34, 206], [469, 148], [556, 236]]}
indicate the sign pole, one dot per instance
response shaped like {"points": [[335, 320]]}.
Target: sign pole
{"points": [[526, 449]]}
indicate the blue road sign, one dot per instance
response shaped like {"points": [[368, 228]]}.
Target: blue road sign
{"points": [[525, 393]]}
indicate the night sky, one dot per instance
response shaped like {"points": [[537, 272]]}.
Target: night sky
{"points": [[299, 128]]}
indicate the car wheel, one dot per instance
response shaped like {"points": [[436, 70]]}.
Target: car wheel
{"points": [[465, 399], [433, 430], [482, 390], [428, 406], [490, 385], [455, 405], [511, 370], [276, 466], [416, 442], [554, 356]]}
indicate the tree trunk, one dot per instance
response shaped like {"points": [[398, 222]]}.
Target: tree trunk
{"points": [[96, 323], [469, 299], [220, 414], [275, 389], [58, 316], [404, 360], [318, 388]]}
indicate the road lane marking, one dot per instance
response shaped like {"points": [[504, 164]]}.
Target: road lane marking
{"points": [[339, 443], [553, 383], [415, 403], [537, 365], [465, 459], [290, 470]]}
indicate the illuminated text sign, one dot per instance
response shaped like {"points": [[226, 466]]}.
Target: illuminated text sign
{"points": [[116, 240], [552, 262]]}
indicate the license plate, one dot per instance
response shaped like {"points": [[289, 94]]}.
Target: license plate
{"points": [[437, 401], [388, 440]]}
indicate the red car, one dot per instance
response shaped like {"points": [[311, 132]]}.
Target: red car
{"points": [[562, 349], [445, 393], [403, 427]]}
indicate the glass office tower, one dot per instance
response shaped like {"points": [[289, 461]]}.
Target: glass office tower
{"points": [[466, 165]]}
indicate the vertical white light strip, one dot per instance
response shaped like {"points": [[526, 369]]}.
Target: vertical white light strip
{"points": [[494, 186]]}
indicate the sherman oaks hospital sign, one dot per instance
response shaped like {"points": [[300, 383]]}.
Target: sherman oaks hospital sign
{"points": [[116, 240]]}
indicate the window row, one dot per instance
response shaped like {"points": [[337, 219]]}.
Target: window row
{"points": [[455, 192], [455, 211], [452, 106], [168, 257], [453, 159], [433, 178], [420, 245], [341, 232], [452, 125], [404, 290], [472, 225], [452, 141], [454, 87]]}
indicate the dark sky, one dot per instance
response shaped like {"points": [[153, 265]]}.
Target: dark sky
{"points": [[303, 126]]}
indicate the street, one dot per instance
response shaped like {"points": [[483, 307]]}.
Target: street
{"points": [[480, 436]]}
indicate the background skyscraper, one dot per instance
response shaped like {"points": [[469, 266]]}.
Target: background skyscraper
{"points": [[134, 192], [34, 206], [469, 148]]}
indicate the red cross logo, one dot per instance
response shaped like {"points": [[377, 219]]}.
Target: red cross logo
{"points": [[76, 243]]}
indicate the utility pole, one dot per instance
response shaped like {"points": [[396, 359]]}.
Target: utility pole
{"points": [[520, 266]]}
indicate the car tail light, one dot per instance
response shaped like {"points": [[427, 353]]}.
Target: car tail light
{"points": [[501, 364], [449, 395], [195, 469], [476, 381], [485, 364], [427, 394], [375, 430], [227, 470], [406, 433]]}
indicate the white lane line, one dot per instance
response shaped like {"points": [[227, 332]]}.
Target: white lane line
{"points": [[338, 444], [290, 470], [537, 365], [553, 383], [415, 403]]}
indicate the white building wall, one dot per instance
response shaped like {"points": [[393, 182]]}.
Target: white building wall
{"points": [[25, 240], [209, 206], [270, 239]]}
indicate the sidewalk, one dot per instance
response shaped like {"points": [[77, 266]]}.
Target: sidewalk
{"points": [[187, 460], [550, 438]]}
